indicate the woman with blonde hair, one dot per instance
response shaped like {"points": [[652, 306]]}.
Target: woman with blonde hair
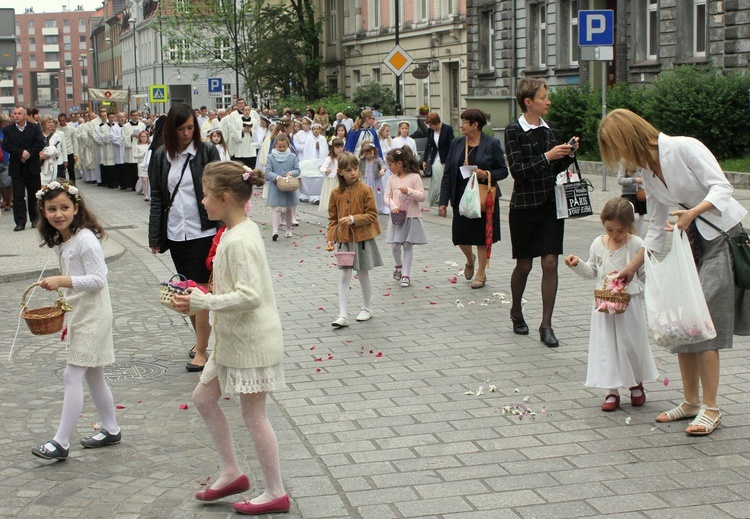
{"points": [[683, 180]]}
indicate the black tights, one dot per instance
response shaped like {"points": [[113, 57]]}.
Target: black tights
{"points": [[549, 286]]}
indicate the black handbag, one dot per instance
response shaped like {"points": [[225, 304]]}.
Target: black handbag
{"points": [[163, 239]]}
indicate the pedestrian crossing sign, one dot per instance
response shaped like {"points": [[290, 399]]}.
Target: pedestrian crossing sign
{"points": [[157, 93]]}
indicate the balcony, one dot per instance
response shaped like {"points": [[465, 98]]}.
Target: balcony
{"points": [[7, 100], [6, 83], [51, 65], [51, 48], [50, 31]]}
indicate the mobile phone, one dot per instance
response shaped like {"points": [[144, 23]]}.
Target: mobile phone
{"points": [[573, 142]]}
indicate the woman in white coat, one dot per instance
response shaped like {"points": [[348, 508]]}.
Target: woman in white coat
{"points": [[52, 149], [683, 180]]}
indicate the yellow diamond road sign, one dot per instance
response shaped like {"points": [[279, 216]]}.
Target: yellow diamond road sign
{"points": [[398, 60]]}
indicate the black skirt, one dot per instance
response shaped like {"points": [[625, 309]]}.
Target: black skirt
{"points": [[189, 258], [536, 231], [640, 207], [471, 231]]}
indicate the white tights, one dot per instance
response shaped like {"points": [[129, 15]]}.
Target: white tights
{"points": [[253, 406], [276, 218], [364, 282], [408, 257], [73, 401]]}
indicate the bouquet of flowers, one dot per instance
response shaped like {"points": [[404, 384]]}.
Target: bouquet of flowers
{"points": [[613, 297]]}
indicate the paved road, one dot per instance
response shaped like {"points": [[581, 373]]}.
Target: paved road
{"points": [[363, 434]]}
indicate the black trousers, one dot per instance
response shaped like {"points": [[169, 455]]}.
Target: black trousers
{"points": [[109, 176], [120, 174], [72, 169], [248, 161], [24, 190], [130, 176]]}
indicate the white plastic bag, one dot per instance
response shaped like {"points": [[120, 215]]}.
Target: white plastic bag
{"points": [[675, 304], [470, 206]]}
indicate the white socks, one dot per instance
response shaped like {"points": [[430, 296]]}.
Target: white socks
{"points": [[73, 401], [266, 445], [364, 283], [408, 256]]}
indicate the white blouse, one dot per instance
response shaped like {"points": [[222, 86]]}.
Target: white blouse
{"points": [[184, 219]]}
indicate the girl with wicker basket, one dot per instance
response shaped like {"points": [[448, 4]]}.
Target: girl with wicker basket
{"points": [[353, 224], [247, 355], [282, 165], [403, 194], [619, 352], [74, 233]]}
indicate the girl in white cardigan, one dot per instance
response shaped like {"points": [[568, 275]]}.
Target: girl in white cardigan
{"points": [[246, 359]]}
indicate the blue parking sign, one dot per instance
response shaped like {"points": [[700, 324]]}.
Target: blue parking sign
{"points": [[596, 28], [215, 87]]}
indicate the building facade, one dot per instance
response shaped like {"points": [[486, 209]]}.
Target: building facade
{"points": [[508, 39], [358, 35], [52, 68]]}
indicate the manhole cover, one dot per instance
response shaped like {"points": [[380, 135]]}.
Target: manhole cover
{"points": [[127, 371]]}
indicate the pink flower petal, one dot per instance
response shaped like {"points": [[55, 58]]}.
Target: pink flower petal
{"points": [[370, 351], [379, 354], [433, 303], [319, 359], [313, 347], [227, 398], [140, 401], [281, 275], [120, 407], [183, 406], [330, 356], [320, 308], [453, 280], [428, 287], [666, 381], [386, 294], [317, 370], [318, 247], [301, 261]]}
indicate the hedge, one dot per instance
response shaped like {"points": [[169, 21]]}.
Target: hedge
{"points": [[711, 105]]}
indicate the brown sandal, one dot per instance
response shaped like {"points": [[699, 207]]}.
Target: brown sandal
{"points": [[469, 269], [479, 283]]}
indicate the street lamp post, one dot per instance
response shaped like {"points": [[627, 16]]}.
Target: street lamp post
{"points": [[84, 88], [133, 24], [112, 59]]}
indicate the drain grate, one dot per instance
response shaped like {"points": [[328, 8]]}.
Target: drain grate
{"points": [[125, 371], [118, 227]]}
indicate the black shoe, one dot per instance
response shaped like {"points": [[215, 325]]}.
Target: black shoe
{"points": [[109, 439], [193, 368], [34, 223], [191, 353], [19, 227], [58, 453], [547, 336], [519, 325]]}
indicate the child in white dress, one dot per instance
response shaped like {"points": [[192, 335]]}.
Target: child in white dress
{"points": [[404, 193], [372, 168], [403, 138], [248, 351], [619, 352], [141, 149], [74, 233], [329, 169], [217, 139]]}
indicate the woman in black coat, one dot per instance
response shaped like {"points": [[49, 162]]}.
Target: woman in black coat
{"points": [[535, 159], [178, 221], [436, 153], [486, 154]]}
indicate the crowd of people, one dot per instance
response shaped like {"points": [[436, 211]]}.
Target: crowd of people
{"points": [[198, 170]]}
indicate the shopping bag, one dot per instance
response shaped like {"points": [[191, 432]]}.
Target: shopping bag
{"points": [[572, 198], [675, 305], [470, 205]]}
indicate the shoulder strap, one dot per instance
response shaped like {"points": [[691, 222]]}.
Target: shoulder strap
{"points": [[177, 187], [717, 229]]}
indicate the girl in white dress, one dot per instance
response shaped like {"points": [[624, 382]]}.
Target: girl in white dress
{"points": [[246, 359], [372, 168], [217, 138], [74, 233], [619, 352], [141, 149], [386, 145], [403, 138], [329, 169]]}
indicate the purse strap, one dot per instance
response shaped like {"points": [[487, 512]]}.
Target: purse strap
{"points": [[720, 231], [177, 187]]}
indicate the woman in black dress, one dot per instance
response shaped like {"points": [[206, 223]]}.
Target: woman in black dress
{"points": [[535, 159], [486, 154]]}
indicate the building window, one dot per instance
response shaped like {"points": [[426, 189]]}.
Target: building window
{"points": [[19, 79], [178, 50], [50, 40], [222, 48], [538, 35], [486, 35], [81, 25], [373, 14], [332, 21], [68, 79], [18, 30], [356, 78], [447, 8], [32, 60], [426, 92], [423, 10], [50, 23], [225, 101], [699, 28], [180, 6], [66, 46], [31, 25], [66, 22], [68, 62], [69, 97], [20, 93], [652, 29], [51, 56], [573, 50], [376, 77]]}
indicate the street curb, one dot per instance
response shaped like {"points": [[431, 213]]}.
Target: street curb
{"points": [[113, 250]]}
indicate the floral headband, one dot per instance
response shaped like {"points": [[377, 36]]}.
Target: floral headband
{"points": [[72, 190]]}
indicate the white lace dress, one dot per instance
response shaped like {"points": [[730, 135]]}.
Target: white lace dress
{"points": [[90, 321]]}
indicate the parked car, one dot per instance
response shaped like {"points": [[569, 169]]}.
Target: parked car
{"points": [[418, 130]]}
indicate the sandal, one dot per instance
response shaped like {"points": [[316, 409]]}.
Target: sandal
{"points": [[706, 422], [479, 282], [679, 413], [191, 353], [469, 269], [397, 272]]}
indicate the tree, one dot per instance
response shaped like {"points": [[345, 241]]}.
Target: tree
{"points": [[370, 93], [277, 48]]}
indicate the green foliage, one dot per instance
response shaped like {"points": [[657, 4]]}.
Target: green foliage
{"points": [[709, 105], [370, 93], [739, 165], [333, 104]]}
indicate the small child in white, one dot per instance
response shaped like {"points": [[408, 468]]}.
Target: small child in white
{"points": [[619, 352], [73, 231]]}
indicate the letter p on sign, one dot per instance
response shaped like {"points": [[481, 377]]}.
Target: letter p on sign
{"points": [[597, 27]]}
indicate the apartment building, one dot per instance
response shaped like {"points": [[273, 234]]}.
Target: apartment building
{"points": [[52, 66]]}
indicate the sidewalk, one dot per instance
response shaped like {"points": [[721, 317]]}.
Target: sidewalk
{"points": [[376, 421]]}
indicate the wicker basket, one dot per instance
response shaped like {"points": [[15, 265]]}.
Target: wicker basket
{"points": [[288, 184], [606, 300], [398, 218], [345, 259], [45, 320], [169, 289]]}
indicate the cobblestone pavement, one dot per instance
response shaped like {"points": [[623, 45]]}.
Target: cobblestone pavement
{"points": [[376, 422]]}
